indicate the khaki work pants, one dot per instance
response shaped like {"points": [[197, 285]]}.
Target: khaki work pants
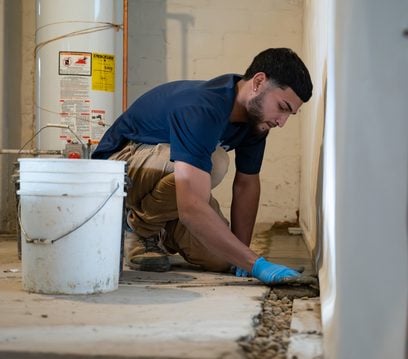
{"points": [[151, 200]]}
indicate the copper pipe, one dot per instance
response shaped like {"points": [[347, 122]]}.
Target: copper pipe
{"points": [[125, 55]]}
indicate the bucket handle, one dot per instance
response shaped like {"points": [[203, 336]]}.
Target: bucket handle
{"points": [[48, 241]]}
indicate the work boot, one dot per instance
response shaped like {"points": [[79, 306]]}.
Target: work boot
{"points": [[146, 254]]}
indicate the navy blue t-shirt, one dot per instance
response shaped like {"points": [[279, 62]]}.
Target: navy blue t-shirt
{"points": [[193, 117]]}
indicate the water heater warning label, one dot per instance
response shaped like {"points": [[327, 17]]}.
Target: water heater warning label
{"points": [[75, 63], [103, 72]]}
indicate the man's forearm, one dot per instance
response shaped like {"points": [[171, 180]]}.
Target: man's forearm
{"points": [[193, 193], [205, 224], [244, 207]]}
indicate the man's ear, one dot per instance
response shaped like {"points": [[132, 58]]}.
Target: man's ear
{"points": [[257, 80]]}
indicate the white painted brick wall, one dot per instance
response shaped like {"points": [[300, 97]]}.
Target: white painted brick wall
{"points": [[175, 39]]}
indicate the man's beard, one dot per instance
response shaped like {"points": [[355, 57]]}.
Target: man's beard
{"points": [[255, 112]]}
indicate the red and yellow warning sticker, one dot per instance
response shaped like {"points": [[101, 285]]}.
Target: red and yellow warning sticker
{"points": [[75, 63]]}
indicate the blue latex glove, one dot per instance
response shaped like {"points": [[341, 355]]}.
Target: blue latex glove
{"points": [[271, 273], [239, 272]]}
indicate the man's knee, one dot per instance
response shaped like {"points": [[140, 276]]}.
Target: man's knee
{"points": [[215, 265], [206, 260]]}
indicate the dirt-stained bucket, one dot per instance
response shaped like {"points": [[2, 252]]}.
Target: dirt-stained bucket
{"points": [[71, 222]]}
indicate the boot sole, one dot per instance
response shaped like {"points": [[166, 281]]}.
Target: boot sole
{"points": [[157, 264]]}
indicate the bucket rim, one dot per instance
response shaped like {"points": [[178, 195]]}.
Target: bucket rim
{"points": [[69, 160], [67, 194], [106, 172]]}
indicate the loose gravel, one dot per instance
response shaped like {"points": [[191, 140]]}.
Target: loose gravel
{"points": [[272, 326]]}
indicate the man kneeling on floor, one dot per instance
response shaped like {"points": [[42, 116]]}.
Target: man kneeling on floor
{"points": [[174, 139]]}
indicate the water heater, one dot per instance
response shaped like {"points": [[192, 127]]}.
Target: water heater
{"points": [[78, 70]]}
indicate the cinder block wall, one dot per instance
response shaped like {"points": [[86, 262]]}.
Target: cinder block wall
{"points": [[184, 39]]}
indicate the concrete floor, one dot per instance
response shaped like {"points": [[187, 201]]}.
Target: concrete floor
{"points": [[184, 313]]}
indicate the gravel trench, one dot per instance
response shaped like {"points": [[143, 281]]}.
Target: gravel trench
{"points": [[272, 326]]}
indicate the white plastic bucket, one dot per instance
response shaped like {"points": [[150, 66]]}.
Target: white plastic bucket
{"points": [[71, 221]]}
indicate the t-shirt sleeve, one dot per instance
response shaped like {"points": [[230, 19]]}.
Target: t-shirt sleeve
{"points": [[194, 134], [249, 156]]}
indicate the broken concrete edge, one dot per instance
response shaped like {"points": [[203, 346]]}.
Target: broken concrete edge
{"points": [[306, 338]]}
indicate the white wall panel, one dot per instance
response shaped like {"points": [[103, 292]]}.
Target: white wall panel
{"points": [[365, 296]]}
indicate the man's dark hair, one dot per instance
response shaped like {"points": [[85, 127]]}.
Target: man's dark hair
{"points": [[284, 68]]}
